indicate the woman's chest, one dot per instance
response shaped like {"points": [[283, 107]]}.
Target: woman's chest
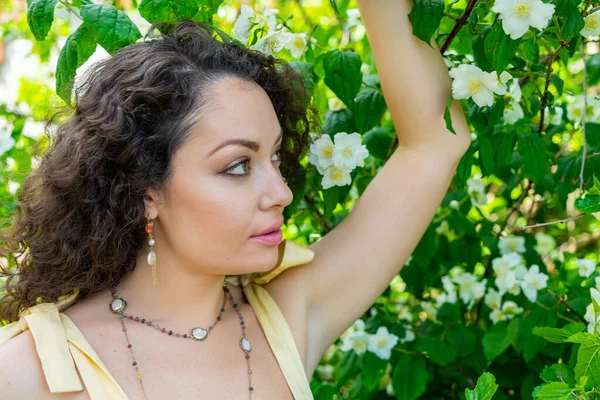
{"points": [[171, 367]]}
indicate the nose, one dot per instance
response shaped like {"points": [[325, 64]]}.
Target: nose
{"points": [[276, 191]]}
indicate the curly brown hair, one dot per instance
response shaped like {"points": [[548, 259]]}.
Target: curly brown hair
{"points": [[81, 213]]}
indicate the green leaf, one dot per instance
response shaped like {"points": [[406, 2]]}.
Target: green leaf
{"points": [[342, 74], [588, 361], [558, 373], [499, 47], [461, 339], [368, 109], [496, 341], [589, 203], [409, 379], [573, 23], [504, 143], [207, 10], [168, 11], [372, 370], [533, 151], [79, 46], [593, 69], [558, 83], [346, 368], [40, 15], [338, 121], [558, 335], [112, 28], [554, 391], [425, 18], [485, 388], [448, 116], [437, 351], [378, 142], [486, 155]]}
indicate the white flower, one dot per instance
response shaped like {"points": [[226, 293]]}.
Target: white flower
{"points": [[349, 152], [382, 342], [454, 204], [591, 316], [505, 276], [409, 336], [365, 68], [450, 289], [592, 24], [556, 118], [519, 15], [455, 272], [575, 108], [470, 289], [353, 18], [336, 176], [513, 259], [533, 281], [404, 313], [242, 24], [509, 244], [510, 307], [586, 267], [6, 141], [496, 315], [515, 90], [470, 81], [493, 298], [297, 44], [358, 342], [357, 326], [335, 104], [545, 243], [325, 372], [443, 228], [476, 191], [273, 42], [321, 153], [513, 112]]}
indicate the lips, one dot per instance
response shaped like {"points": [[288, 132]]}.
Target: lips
{"points": [[274, 227]]}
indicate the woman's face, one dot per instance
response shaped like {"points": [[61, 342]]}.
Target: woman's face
{"points": [[221, 195]]}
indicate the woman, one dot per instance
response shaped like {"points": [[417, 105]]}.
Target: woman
{"points": [[145, 224]]}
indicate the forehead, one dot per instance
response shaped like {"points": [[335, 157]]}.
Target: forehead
{"points": [[236, 109]]}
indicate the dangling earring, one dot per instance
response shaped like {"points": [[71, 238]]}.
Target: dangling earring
{"points": [[152, 253]]}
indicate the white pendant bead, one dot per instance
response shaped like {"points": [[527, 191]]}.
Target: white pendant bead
{"points": [[118, 305], [198, 333], [245, 345], [152, 257]]}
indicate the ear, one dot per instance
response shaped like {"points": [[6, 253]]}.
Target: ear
{"points": [[151, 200]]}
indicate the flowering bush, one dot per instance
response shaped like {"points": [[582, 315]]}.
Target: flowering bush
{"points": [[501, 296]]}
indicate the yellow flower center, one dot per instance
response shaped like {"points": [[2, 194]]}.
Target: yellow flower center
{"points": [[591, 23], [298, 42], [577, 111], [381, 343], [327, 151], [337, 175], [522, 10], [272, 44], [348, 151], [475, 87]]}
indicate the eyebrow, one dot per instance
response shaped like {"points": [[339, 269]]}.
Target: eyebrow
{"points": [[252, 145]]}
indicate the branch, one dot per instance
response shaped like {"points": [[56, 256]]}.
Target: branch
{"points": [[563, 302], [560, 221], [459, 23]]}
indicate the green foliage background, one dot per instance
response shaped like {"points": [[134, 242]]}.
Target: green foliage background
{"points": [[533, 174]]}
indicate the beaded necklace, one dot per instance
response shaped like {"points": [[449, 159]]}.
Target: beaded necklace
{"points": [[119, 304]]}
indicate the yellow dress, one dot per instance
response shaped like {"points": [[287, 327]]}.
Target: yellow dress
{"points": [[61, 346]]}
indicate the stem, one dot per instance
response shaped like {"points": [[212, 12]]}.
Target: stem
{"points": [[553, 222], [70, 9], [568, 307], [459, 23]]}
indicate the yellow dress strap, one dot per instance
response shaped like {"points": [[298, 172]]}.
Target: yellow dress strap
{"points": [[277, 331], [61, 346]]}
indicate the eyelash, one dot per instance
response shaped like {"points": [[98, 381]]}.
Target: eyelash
{"points": [[246, 160]]}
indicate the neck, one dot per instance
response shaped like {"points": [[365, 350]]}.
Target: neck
{"points": [[182, 296]]}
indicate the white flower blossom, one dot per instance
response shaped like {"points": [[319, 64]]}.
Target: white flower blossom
{"points": [[358, 341], [554, 119], [476, 191], [586, 267], [335, 104], [297, 44], [533, 281], [353, 18], [6, 141], [592, 24], [454, 204], [409, 336], [575, 108], [510, 307], [470, 81], [325, 372], [513, 259], [449, 288], [247, 18], [545, 243], [336, 176], [513, 112], [505, 276], [591, 316], [455, 272], [382, 342], [272, 42], [519, 15], [493, 298], [496, 315], [470, 289], [349, 152], [515, 90], [508, 244]]}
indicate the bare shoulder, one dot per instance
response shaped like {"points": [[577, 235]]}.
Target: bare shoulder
{"points": [[21, 373]]}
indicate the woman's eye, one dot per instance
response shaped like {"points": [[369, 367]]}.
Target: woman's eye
{"points": [[245, 163]]}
